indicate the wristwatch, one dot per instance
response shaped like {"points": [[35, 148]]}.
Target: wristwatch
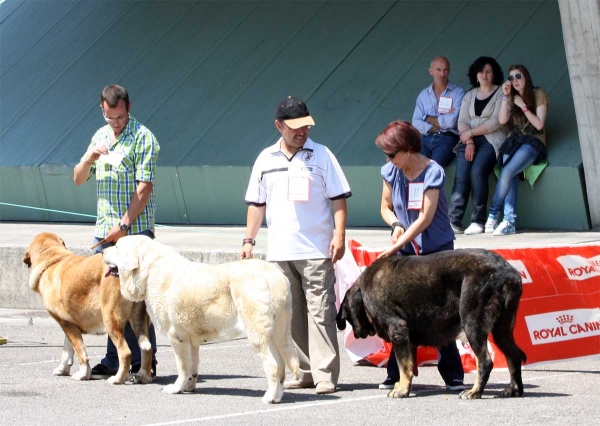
{"points": [[124, 227]]}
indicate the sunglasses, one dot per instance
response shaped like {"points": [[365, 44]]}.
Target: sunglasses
{"points": [[518, 76], [391, 155]]}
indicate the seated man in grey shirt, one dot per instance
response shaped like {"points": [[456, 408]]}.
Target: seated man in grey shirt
{"points": [[436, 113]]}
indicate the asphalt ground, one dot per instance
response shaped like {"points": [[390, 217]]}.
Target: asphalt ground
{"points": [[232, 381]]}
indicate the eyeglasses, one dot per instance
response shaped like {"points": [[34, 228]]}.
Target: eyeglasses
{"points": [[112, 120], [391, 156], [518, 76]]}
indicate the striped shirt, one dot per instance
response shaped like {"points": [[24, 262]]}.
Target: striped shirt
{"points": [[116, 185]]}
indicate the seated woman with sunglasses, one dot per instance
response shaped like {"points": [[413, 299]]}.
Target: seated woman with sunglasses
{"points": [[481, 136], [413, 203], [524, 108]]}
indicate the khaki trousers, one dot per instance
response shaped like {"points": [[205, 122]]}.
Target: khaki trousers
{"points": [[313, 318]]}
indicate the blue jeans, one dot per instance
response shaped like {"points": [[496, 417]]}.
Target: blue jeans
{"points": [[508, 182], [439, 147], [471, 178], [111, 359], [449, 364]]}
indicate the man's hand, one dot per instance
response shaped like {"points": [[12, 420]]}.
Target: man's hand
{"points": [[337, 248], [114, 234], [97, 152], [246, 252]]}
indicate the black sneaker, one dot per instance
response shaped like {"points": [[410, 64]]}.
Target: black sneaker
{"points": [[102, 372], [136, 368], [387, 384], [456, 385]]}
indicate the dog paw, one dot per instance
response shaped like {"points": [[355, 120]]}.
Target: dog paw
{"points": [[62, 371], [172, 389], [81, 375], [114, 380], [272, 397], [398, 394], [142, 379], [509, 392], [469, 394]]}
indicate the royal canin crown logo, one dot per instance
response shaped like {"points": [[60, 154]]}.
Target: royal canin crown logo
{"points": [[580, 268], [564, 319], [572, 324]]}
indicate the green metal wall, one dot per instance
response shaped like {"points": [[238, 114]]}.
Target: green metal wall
{"points": [[205, 78]]}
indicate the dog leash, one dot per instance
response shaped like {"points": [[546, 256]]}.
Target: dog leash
{"points": [[102, 241]]}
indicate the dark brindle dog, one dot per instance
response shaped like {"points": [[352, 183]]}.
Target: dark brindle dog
{"points": [[415, 301]]}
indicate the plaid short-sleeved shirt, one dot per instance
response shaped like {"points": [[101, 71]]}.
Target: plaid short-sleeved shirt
{"points": [[116, 185]]}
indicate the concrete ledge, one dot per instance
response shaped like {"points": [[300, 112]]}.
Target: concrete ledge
{"points": [[14, 274]]}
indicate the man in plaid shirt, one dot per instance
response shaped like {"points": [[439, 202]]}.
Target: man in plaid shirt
{"points": [[123, 155]]}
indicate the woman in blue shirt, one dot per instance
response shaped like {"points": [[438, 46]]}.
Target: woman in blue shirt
{"points": [[413, 203]]}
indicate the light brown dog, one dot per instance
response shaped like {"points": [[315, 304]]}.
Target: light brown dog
{"points": [[79, 296]]}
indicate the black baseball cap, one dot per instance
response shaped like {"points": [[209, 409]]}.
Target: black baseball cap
{"points": [[294, 113]]}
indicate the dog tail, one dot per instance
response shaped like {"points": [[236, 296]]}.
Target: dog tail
{"points": [[504, 328]]}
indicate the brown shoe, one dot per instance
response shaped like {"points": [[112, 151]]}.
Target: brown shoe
{"points": [[324, 388], [297, 384]]}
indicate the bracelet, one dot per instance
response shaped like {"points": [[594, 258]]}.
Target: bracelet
{"points": [[396, 224], [249, 241], [505, 97], [472, 135], [89, 162], [470, 143], [524, 109]]}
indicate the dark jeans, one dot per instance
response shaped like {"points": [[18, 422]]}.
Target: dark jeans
{"points": [[439, 147], [111, 359], [471, 178], [449, 364]]}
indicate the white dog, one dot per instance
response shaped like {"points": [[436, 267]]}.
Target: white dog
{"points": [[194, 303]]}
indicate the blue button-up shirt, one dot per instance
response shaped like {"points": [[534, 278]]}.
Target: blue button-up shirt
{"points": [[427, 104]]}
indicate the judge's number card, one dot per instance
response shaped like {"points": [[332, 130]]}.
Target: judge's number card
{"points": [[415, 196], [445, 105]]}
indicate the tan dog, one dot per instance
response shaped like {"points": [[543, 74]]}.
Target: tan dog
{"points": [[195, 303], [82, 300]]}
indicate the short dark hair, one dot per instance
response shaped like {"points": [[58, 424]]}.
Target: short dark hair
{"points": [[478, 65], [399, 136], [113, 94]]}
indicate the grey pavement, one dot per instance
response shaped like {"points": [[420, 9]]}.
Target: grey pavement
{"points": [[231, 377], [232, 382]]}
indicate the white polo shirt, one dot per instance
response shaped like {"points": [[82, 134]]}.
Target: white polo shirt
{"points": [[297, 230]]}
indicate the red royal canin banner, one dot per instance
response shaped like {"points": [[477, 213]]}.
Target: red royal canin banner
{"points": [[558, 317]]}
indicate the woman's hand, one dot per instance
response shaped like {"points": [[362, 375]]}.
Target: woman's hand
{"points": [[398, 231], [506, 88], [519, 101], [388, 252], [465, 136], [470, 152]]}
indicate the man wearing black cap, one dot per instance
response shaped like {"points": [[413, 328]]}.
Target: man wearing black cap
{"points": [[296, 182]]}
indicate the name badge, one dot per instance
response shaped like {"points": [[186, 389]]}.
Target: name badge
{"points": [[113, 158], [415, 196], [444, 105], [298, 188]]}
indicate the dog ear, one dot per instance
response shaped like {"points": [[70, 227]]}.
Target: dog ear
{"points": [[361, 325], [340, 319], [132, 288], [27, 259]]}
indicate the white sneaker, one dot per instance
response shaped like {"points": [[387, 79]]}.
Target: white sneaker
{"points": [[474, 228], [505, 228], [491, 223]]}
